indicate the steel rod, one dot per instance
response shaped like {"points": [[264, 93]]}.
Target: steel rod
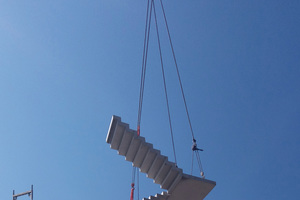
{"points": [[21, 194]]}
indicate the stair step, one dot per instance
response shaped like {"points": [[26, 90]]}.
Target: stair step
{"points": [[157, 163], [117, 137], [163, 172], [125, 142], [133, 148], [148, 160], [171, 186], [141, 154]]}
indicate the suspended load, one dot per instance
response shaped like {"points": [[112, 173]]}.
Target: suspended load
{"points": [[179, 186]]}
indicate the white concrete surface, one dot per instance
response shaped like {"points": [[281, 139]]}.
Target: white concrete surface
{"points": [[180, 186]]}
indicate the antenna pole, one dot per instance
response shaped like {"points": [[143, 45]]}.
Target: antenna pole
{"points": [[29, 193], [31, 196]]}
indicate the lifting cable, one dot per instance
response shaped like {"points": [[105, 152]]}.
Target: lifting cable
{"points": [[150, 7], [142, 86], [164, 79], [144, 64], [195, 150], [177, 70], [194, 147], [132, 183], [134, 172]]}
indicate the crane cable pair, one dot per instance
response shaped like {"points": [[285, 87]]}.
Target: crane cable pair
{"points": [[150, 9]]}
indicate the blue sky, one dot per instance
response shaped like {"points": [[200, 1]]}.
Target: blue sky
{"points": [[67, 66]]}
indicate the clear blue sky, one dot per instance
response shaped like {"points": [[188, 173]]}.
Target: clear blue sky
{"points": [[67, 66]]}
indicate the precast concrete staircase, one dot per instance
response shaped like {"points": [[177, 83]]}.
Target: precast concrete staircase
{"points": [[180, 186]]}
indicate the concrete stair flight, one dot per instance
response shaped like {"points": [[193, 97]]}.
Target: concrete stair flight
{"points": [[180, 186]]}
